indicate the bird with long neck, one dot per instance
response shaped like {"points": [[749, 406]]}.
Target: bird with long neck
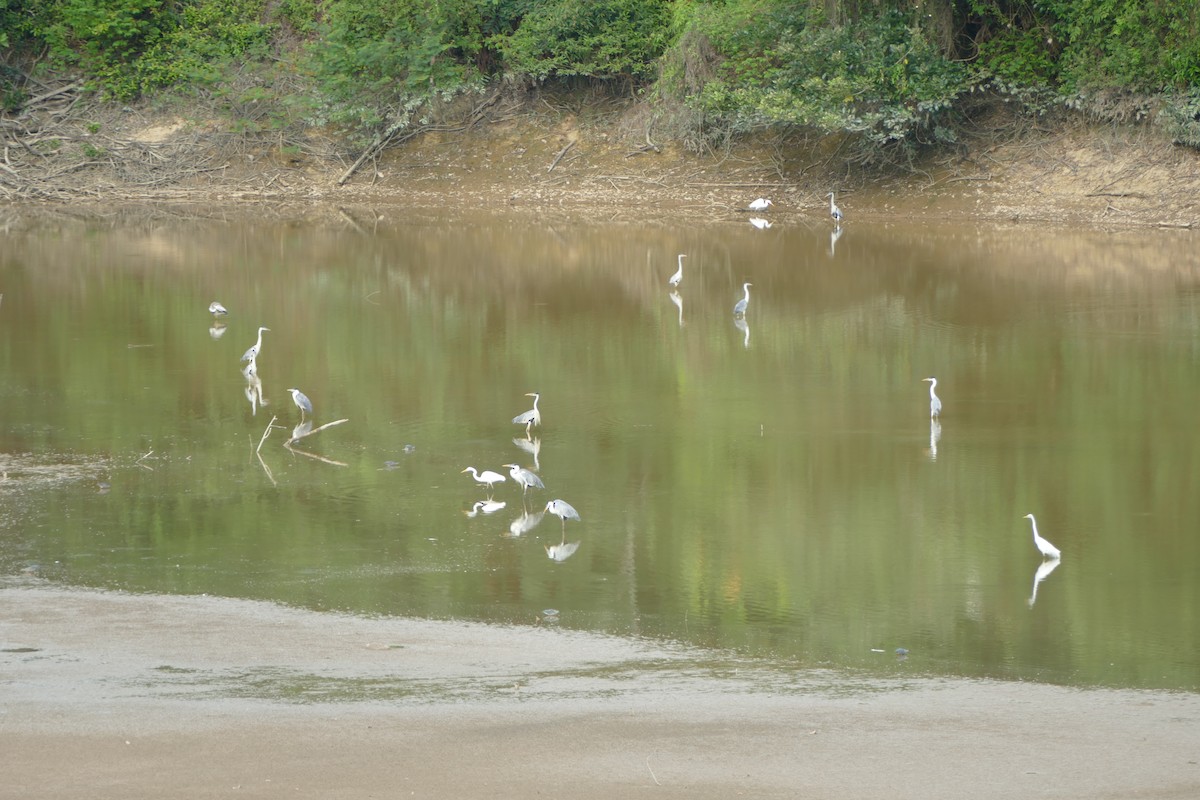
{"points": [[678, 276]]}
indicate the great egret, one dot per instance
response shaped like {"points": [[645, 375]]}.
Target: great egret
{"points": [[759, 205], [678, 276], [532, 416], [1048, 550], [563, 510], [935, 405], [834, 212], [525, 478], [487, 476], [216, 309], [252, 353], [739, 310], [302, 402]]}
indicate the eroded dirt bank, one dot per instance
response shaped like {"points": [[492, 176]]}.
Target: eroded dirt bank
{"points": [[142, 696], [602, 159]]}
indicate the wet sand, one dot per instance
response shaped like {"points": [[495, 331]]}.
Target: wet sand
{"points": [[108, 695]]}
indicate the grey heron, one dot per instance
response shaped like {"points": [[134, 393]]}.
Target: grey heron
{"points": [[216, 309], [678, 276], [532, 416], [834, 212], [302, 402], [252, 353], [487, 476], [1048, 550], [524, 477], [759, 205], [935, 404], [739, 310], [563, 510]]}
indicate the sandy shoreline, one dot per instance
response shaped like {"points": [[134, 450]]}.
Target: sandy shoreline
{"points": [[140, 696]]}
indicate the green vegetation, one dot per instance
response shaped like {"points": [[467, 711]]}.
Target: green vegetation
{"points": [[892, 73]]}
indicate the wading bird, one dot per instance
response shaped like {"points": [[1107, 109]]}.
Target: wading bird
{"points": [[485, 507], [935, 405], [678, 276], [759, 205], [563, 510], [1048, 550], [487, 476], [302, 402], [532, 416], [252, 353], [834, 212], [524, 477], [739, 310], [216, 309]]}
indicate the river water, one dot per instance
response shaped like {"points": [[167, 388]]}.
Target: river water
{"points": [[773, 486]]}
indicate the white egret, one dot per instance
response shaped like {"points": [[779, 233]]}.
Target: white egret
{"points": [[532, 416], [834, 212], [1048, 550], [252, 353], [216, 309], [487, 476], [525, 478], [759, 205], [563, 510], [678, 276], [935, 405], [302, 402], [739, 310]]}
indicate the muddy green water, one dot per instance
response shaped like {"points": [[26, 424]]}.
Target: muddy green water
{"points": [[774, 486]]}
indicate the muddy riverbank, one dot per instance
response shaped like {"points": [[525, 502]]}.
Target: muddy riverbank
{"points": [[140, 696]]}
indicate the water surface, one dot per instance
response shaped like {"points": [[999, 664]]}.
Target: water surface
{"points": [[775, 487]]}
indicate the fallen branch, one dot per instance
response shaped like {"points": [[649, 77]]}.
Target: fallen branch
{"points": [[305, 434], [558, 157], [266, 433]]}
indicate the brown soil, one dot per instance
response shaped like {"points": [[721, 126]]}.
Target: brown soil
{"points": [[601, 160], [145, 696]]}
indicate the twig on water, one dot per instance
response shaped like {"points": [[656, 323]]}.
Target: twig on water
{"points": [[652, 775], [143, 458], [266, 433]]}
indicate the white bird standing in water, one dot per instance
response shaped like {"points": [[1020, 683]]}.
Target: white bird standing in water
{"points": [[759, 205], [935, 405], [678, 276], [216, 309], [834, 212], [1048, 550], [252, 353], [739, 310], [487, 476], [532, 416]]}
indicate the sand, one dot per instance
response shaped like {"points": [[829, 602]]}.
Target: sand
{"points": [[110, 695]]}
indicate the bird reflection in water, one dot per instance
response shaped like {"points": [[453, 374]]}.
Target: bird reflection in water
{"points": [[533, 446], [485, 507], [834, 235], [678, 301], [561, 552], [217, 330], [743, 326], [302, 430], [760, 223], [1044, 569], [935, 436], [254, 388], [525, 523]]}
